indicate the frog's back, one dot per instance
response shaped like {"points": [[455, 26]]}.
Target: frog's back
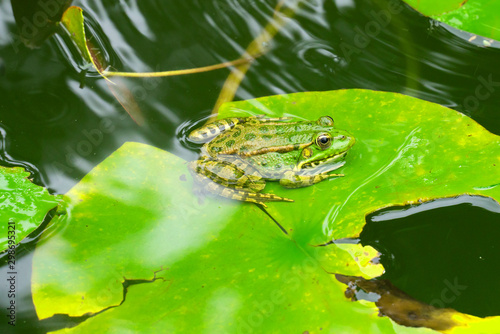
{"points": [[250, 138]]}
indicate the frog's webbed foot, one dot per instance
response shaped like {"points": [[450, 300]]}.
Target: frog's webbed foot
{"points": [[238, 194], [233, 181], [229, 174], [292, 180]]}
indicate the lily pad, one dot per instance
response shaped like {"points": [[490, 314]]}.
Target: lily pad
{"points": [[23, 206], [430, 8], [224, 266], [407, 151], [474, 16], [216, 263]]}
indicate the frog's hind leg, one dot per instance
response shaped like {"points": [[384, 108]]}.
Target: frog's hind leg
{"points": [[244, 195], [238, 194], [292, 180], [232, 175], [241, 189], [211, 130]]}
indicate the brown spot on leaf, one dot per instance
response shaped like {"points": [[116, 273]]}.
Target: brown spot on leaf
{"points": [[399, 306]]}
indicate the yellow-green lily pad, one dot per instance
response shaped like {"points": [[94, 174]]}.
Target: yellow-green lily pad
{"points": [[135, 217], [216, 265], [23, 206], [407, 151]]}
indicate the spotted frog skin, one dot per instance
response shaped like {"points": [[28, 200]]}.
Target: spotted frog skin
{"points": [[241, 154]]}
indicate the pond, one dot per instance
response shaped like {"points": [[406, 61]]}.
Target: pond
{"points": [[59, 120]]}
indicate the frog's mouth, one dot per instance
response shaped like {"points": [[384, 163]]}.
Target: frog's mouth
{"points": [[313, 164]]}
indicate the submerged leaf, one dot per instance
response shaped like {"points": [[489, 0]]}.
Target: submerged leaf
{"points": [[74, 22], [23, 206], [37, 20]]}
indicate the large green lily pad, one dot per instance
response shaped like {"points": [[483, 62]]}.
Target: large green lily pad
{"points": [[225, 266], [23, 206], [135, 217], [407, 151], [429, 8], [475, 16]]}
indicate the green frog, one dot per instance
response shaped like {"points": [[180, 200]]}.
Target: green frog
{"points": [[241, 153]]}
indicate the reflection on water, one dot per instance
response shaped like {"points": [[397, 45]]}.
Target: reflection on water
{"points": [[59, 131]]}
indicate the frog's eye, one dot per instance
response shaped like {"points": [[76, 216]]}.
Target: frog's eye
{"points": [[325, 121], [324, 141]]}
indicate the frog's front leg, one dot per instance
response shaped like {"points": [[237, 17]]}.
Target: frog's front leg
{"points": [[293, 180], [225, 179]]}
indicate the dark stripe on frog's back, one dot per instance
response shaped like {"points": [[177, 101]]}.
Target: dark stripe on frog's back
{"points": [[217, 127], [221, 139], [212, 128], [236, 133], [250, 136], [225, 124]]}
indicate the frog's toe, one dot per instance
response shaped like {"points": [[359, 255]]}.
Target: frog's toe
{"points": [[272, 198], [258, 198], [335, 175], [292, 180]]}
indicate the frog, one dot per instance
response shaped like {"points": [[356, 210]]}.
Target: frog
{"points": [[241, 154]]}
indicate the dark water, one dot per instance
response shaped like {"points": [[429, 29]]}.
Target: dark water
{"points": [[60, 131], [444, 252]]}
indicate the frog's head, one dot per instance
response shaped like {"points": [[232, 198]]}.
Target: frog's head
{"points": [[327, 147]]}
